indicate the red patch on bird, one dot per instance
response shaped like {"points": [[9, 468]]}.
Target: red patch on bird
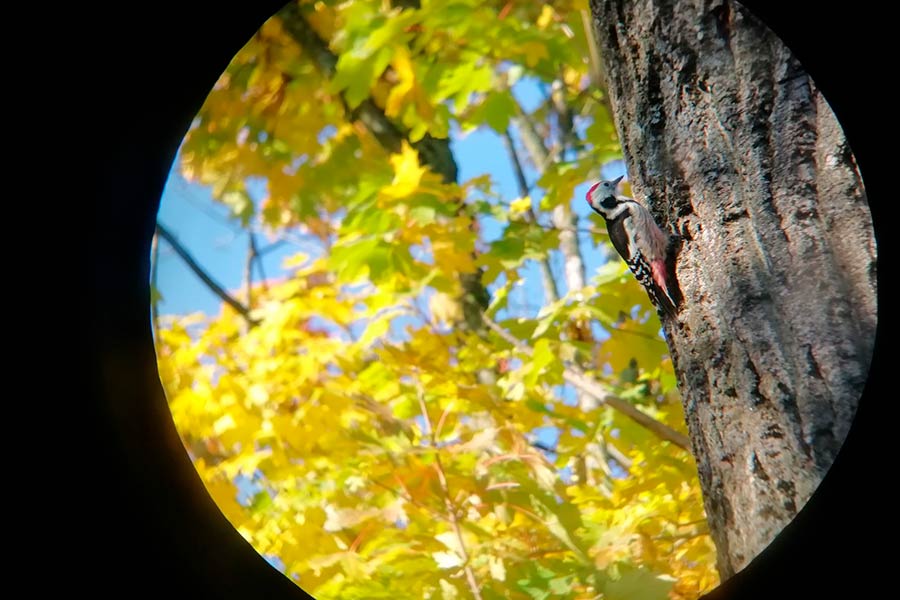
{"points": [[588, 195], [658, 269]]}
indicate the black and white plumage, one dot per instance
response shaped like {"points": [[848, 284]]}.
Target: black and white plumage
{"points": [[646, 249]]}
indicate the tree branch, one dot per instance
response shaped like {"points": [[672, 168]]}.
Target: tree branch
{"points": [[591, 230], [474, 587], [531, 139], [617, 455], [217, 289], [550, 286], [565, 117], [257, 258], [562, 216], [248, 270], [434, 152], [574, 375], [517, 165], [284, 237]]}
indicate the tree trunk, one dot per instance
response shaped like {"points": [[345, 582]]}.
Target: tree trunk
{"points": [[729, 142]]}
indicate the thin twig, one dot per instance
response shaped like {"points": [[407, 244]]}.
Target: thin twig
{"points": [[273, 246], [617, 455], [214, 287], [550, 286], [592, 230], [186, 192], [448, 502], [248, 271], [562, 216], [257, 258], [406, 497], [531, 139], [574, 375], [524, 188], [637, 333], [434, 152], [579, 379]]}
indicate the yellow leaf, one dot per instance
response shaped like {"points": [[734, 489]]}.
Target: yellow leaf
{"points": [[322, 19], [447, 560], [451, 256], [498, 571], [449, 539], [447, 590], [378, 327], [344, 518], [520, 205], [534, 52], [404, 69], [297, 260], [223, 424], [546, 17], [257, 394], [407, 173]]}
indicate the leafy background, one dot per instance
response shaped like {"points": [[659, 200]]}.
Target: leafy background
{"points": [[346, 420]]}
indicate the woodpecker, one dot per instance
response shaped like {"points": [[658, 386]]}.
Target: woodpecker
{"points": [[646, 249]]}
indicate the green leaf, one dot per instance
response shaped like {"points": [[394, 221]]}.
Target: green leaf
{"points": [[507, 249], [390, 31], [349, 259], [371, 255], [367, 217], [406, 407], [423, 215], [547, 315], [460, 81], [560, 585], [498, 298], [498, 108], [261, 502], [638, 584], [355, 76], [541, 357]]}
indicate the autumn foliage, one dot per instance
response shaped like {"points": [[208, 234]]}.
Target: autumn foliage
{"points": [[354, 432]]}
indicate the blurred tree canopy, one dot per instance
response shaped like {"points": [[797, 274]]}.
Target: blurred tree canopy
{"points": [[381, 448]]}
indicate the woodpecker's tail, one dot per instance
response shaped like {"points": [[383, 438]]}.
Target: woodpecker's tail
{"points": [[666, 304]]}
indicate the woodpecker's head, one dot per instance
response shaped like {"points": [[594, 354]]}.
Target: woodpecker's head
{"points": [[602, 197]]}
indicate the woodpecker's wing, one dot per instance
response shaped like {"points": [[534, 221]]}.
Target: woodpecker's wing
{"points": [[618, 235], [648, 270]]}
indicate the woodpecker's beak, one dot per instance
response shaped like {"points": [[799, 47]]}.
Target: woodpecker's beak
{"points": [[618, 179]]}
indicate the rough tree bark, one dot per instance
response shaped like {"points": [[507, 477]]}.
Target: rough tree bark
{"points": [[728, 140]]}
